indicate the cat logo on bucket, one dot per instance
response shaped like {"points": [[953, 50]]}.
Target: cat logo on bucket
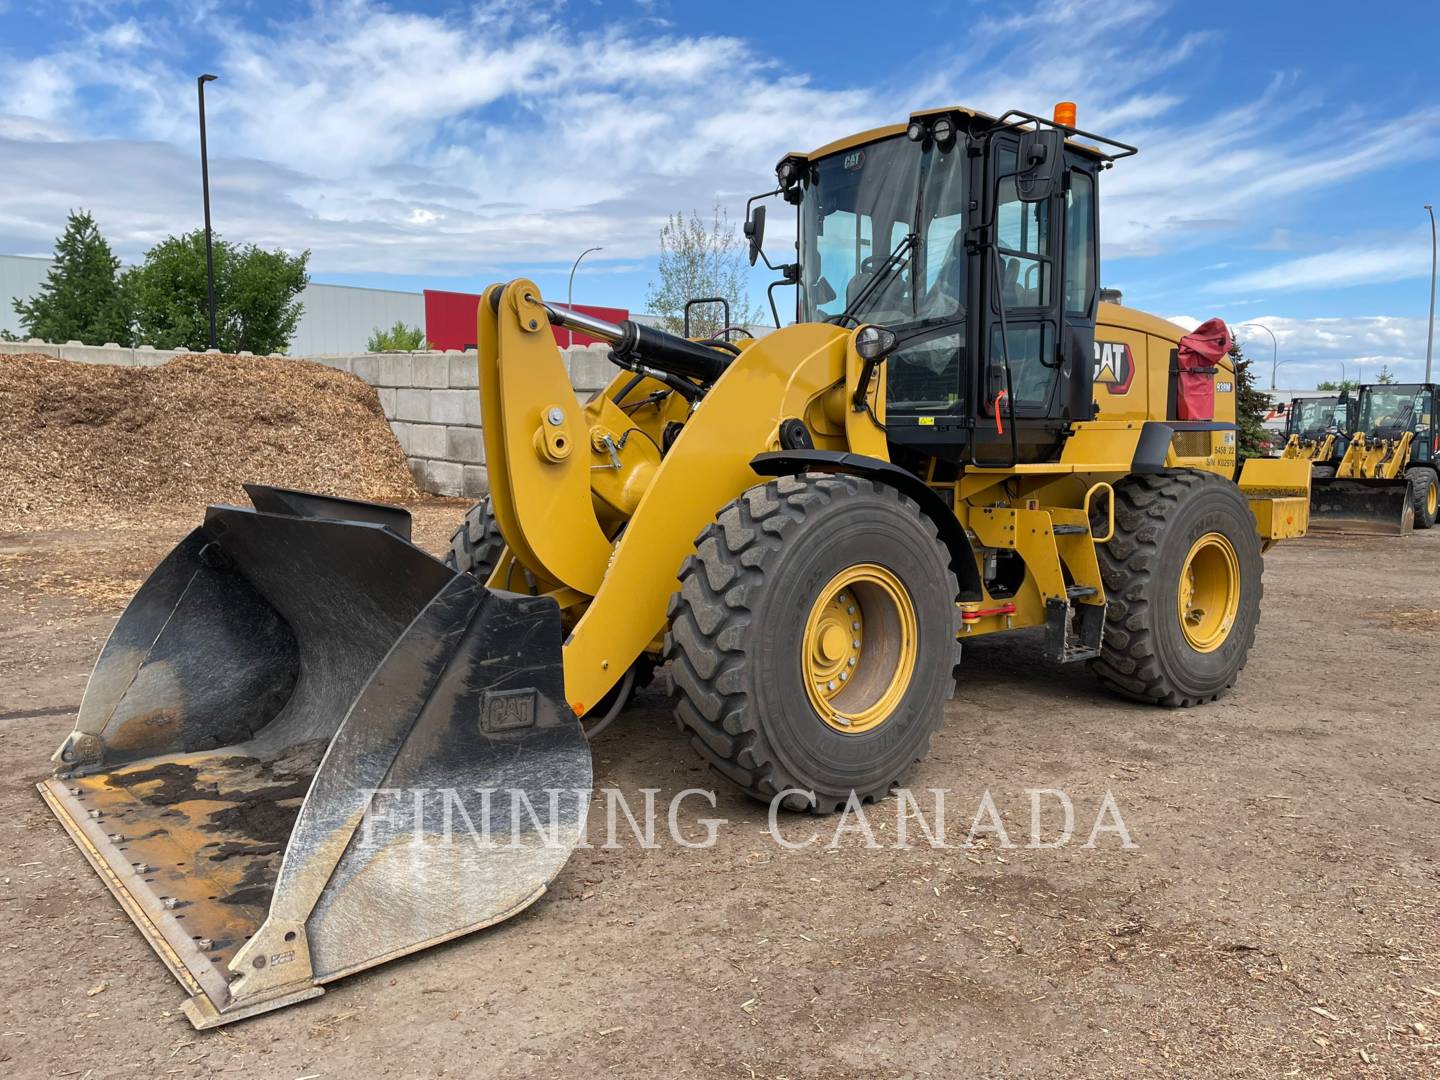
{"points": [[1114, 367]]}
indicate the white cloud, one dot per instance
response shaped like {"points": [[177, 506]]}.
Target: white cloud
{"points": [[39, 90], [1405, 258]]}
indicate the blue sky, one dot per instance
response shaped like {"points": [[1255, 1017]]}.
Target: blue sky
{"points": [[1286, 148]]}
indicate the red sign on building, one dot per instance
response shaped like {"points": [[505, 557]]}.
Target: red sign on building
{"points": [[450, 320]]}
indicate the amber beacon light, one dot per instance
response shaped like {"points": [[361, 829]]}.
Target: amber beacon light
{"points": [[1065, 113]]}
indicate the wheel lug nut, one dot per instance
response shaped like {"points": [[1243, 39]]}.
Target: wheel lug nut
{"points": [[844, 675], [850, 610], [854, 626], [855, 644], [851, 661], [830, 685]]}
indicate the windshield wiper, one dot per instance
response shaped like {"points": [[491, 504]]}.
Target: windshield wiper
{"points": [[880, 277]]}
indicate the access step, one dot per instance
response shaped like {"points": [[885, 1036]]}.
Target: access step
{"points": [[1073, 632]]}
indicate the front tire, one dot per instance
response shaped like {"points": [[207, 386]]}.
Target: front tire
{"points": [[796, 579], [1182, 584], [1426, 496], [476, 546]]}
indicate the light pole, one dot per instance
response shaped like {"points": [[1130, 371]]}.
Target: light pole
{"points": [[205, 186], [570, 292], [1274, 350], [1430, 333]]}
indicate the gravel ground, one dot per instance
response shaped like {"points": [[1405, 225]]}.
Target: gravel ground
{"points": [[1278, 915]]}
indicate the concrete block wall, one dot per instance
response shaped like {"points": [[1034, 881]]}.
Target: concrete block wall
{"points": [[431, 399], [110, 353]]}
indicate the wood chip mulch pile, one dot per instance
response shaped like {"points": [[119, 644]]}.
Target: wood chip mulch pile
{"points": [[90, 445]]}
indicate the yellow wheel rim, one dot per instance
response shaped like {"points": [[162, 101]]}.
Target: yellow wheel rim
{"points": [[858, 653], [1430, 500], [1209, 594]]}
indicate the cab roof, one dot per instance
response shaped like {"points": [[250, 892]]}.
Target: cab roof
{"points": [[971, 119]]}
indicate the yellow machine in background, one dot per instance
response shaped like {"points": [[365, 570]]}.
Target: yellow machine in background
{"points": [[1316, 430], [954, 439], [1386, 480]]}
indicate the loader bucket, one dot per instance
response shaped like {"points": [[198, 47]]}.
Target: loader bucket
{"points": [[308, 748], [1368, 507]]}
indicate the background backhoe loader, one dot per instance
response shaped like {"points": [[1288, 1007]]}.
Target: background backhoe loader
{"points": [[1385, 482], [309, 747], [1317, 430]]}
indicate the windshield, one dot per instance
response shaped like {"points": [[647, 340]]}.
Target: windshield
{"points": [[1312, 418], [859, 207], [1388, 410]]}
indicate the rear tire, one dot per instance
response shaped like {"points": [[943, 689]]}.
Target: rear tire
{"points": [[1423, 488], [748, 628], [1165, 523], [476, 546]]}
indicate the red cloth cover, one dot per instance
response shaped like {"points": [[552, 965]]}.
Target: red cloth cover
{"points": [[1199, 359]]}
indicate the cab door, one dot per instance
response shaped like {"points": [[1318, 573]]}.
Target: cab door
{"points": [[1023, 296]]}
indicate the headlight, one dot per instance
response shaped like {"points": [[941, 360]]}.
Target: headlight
{"points": [[916, 131], [944, 131], [874, 342]]}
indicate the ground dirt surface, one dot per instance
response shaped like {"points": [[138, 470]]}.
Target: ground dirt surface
{"points": [[1279, 916]]}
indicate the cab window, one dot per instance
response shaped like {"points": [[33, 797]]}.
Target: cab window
{"points": [[1023, 238], [1079, 242]]}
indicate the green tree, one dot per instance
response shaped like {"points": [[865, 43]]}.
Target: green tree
{"points": [[697, 260], [256, 305], [1386, 377], [399, 338], [83, 297], [1251, 405], [1331, 384]]}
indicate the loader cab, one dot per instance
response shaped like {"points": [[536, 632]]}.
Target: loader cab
{"points": [[1389, 411], [1313, 418], [939, 231]]}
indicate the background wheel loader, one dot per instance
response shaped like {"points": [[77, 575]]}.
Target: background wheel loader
{"points": [[293, 758], [1317, 430], [1385, 481]]}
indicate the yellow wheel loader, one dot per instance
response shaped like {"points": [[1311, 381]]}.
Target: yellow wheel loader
{"points": [[1386, 480], [1316, 430], [309, 747]]}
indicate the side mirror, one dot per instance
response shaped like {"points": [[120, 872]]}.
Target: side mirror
{"points": [[755, 232], [1042, 164]]}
